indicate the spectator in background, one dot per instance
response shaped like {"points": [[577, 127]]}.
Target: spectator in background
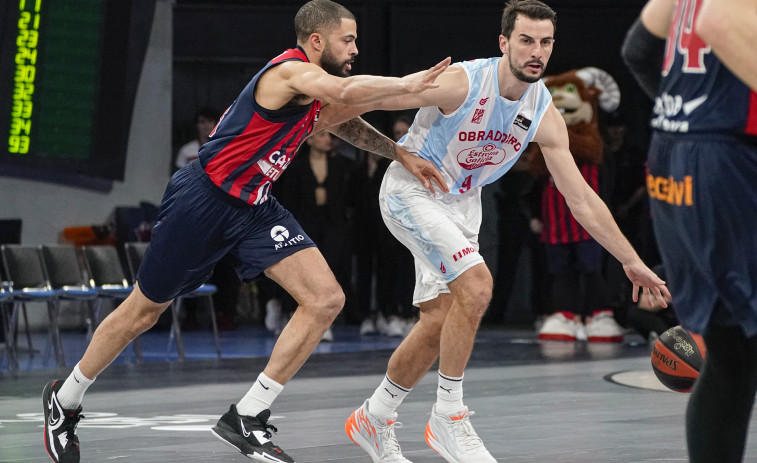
{"points": [[206, 119], [224, 276], [384, 267], [315, 192]]}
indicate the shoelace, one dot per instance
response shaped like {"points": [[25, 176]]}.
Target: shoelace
{"points": [[69, 424], [464, 433], [267, 427], [391, 444]]}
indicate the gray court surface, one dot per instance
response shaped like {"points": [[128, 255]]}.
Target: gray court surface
{"points": [[534, 402]]}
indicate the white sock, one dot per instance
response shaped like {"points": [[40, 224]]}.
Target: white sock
{"points": [[260, 396], [72, 392], [386, 398], [449, 394]]}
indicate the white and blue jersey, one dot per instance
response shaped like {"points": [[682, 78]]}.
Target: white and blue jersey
{"points": [[473, 146], [481, 140]]}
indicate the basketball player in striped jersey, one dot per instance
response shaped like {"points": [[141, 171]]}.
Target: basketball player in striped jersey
{"points": [[473, 127], [221, 205], [702, 183]]}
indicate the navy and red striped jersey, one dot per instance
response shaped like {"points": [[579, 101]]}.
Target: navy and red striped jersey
{"points": [[251, 146], [559, 225], [698, 93]]}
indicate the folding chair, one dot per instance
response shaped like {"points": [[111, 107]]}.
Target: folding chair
{"points": [[109, 280], [135, 251], [68, 277], [28, 283], [4, 300]]}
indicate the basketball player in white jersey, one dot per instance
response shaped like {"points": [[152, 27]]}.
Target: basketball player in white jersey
{"points": [[473, 127]]}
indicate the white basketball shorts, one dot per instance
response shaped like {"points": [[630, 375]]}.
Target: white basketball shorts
{"points": [[441, 230]]}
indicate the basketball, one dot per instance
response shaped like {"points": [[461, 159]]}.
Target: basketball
{"points": [[677, 358]]}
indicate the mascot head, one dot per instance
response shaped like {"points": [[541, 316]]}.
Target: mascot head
{"points": [[578, 94], [575, 101]]}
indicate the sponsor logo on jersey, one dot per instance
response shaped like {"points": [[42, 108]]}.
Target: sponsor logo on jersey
{"points": [[490, 135], [668, 189], [483, 101], [478, 114], [273, 165], [522, 122], [669, 107], [479, 156]]}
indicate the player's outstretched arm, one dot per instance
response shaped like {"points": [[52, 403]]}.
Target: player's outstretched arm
{"points": [[590, 211], [309, 79], [362, 135]]}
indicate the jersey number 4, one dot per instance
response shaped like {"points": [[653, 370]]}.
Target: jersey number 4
{"points": [[683, 38]]}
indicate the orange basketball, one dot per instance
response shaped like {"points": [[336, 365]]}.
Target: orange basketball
{"points": [[677, 358]]}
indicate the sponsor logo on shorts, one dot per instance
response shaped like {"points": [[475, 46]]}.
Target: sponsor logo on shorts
{"points": [[670, 190], [281, 235], [443, 268], [464, 252]]}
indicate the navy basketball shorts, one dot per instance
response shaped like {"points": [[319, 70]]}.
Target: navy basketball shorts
{"points": [[198, 224], [703, 193]]}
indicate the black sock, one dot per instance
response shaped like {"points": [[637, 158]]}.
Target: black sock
{"points": [[717, 417]]}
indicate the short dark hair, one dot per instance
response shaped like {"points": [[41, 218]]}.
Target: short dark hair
{"points": [[319, 16], [533, 9]]}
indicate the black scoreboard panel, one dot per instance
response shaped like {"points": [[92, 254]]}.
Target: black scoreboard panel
{"points": [[68, 76]]}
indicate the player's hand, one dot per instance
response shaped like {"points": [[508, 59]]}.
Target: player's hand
{"points": [[424, 80], [645, 279], [425, 171]]}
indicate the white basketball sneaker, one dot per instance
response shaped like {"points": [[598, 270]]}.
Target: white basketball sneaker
{"points": [[559, 327], [375, 435], [604, 328], [454, 438]]}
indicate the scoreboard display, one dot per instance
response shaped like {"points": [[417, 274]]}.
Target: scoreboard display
{"points": [[68, 78]]}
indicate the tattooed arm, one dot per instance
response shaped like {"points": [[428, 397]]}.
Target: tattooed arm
{"points": [[362, 135]]}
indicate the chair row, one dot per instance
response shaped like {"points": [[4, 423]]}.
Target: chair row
{"points": [[58, 272]]}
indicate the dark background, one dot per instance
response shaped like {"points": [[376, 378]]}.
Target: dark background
{"points": [[219, 46]]}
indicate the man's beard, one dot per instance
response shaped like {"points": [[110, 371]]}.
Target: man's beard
{"points": [[520, 75], [330, 64]]}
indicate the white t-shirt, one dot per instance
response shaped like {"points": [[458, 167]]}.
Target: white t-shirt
{"points": [[187, 153]]}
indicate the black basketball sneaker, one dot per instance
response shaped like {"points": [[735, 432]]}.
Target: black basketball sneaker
{"points": [[250, 435], [61, 441]]}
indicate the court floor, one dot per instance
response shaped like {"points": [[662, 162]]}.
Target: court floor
{"points": [[534, 402]]}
